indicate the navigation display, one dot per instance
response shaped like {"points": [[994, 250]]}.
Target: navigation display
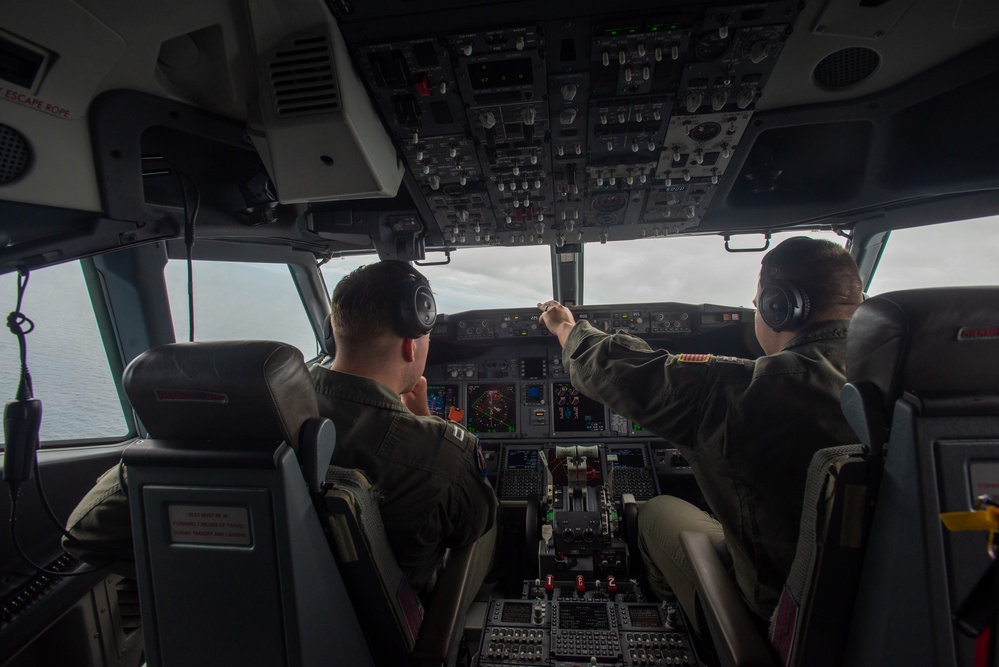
{"points": [[628, 458], [576, 413], [492, 408], [441, 398], [522, 459]]}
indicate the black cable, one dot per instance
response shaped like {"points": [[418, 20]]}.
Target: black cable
{"points": [[22, 418], [190, 219], [15, 322], [20, 552], [60, 526]]}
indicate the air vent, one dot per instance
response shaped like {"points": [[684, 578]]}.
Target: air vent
{"points": [[126, 621], [21, 65], [15, 155], [303, 78], [846, 67]]}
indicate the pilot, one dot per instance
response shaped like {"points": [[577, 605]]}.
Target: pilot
{"points": [[429, 473], [748, 428]]}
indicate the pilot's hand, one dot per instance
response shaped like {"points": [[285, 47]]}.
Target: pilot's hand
{"points": [[558, 319], [416, 398]]}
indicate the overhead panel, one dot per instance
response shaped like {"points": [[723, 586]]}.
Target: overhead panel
{"points": [[575, 130]]}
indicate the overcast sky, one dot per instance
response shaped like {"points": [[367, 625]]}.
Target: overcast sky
{"points": [[693, 269]]}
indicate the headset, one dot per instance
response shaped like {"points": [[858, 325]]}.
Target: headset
{"points": [[417, 307], [783, 305], [417, 311]]}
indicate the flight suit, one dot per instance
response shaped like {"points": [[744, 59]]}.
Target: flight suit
{"points": [[748, 428], [428, 471]]}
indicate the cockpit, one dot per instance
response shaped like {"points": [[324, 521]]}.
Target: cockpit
{"points": [[209, 172]]}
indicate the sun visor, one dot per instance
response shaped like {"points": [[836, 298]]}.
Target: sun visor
{"points": [[313, 123]]}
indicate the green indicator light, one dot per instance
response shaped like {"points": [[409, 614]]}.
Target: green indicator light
{"points": [[551, 516], [613, 32]]}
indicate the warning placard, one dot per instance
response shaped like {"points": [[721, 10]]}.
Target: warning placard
{"points": [[984, 479], [201, 524]]}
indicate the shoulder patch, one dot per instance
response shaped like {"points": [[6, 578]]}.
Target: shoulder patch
{"points": [[727, 360], [694, 358], [456, 434]]}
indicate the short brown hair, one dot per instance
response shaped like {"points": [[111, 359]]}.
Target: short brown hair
{"points": [[368, 301], [824, 270]]}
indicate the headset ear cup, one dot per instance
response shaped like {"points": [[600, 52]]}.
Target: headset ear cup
{"points": [[426, 308], [328, 343], [783, 306], [418, 311]]}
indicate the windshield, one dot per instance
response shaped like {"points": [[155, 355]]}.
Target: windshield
{"points": [[690, 269], [687, 269], [953, 253], [476, 278]]}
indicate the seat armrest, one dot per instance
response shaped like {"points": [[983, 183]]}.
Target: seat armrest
{"points": [[737, 639], [443, 622]]}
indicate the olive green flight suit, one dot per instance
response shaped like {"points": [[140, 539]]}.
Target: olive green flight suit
{"points": [[748, 428], [433, 494]]}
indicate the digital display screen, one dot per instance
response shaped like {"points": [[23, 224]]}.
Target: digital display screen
{"points": [[441, 398], [516, 612], [583, 616], [522, 459], [534, 394], [492, 408], [628, 458], [501, 73], [533, 368], [645, 616], [576, 413]]}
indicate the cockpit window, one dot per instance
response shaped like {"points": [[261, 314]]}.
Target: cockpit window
{"points": [[950, 254], [66, 358], [688, 269], [240, 300], [476, 278]]}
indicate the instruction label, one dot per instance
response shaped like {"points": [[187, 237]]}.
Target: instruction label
{"points": [[24, 99], [984, 479], [200, 524]]}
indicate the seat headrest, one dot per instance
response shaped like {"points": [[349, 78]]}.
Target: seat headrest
{"points": [[257, 390], [935, 340]]}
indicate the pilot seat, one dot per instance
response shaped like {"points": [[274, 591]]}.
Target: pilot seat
{"points": [[876, 577], [250, 548]]}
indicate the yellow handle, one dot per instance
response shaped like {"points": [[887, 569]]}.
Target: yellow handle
{"points": [[983, 519]]}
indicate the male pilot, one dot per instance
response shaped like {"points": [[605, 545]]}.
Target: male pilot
{"points": [[748, 428], [433, 493]]}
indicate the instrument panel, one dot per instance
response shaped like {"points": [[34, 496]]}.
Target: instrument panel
{"points": [[500, 374]]}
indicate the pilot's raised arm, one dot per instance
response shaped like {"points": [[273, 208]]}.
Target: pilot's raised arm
{"points": [[748, 428]]}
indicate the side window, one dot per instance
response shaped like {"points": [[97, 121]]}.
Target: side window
{"points": [[950, 254], [66, 357], [240, 301]]}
